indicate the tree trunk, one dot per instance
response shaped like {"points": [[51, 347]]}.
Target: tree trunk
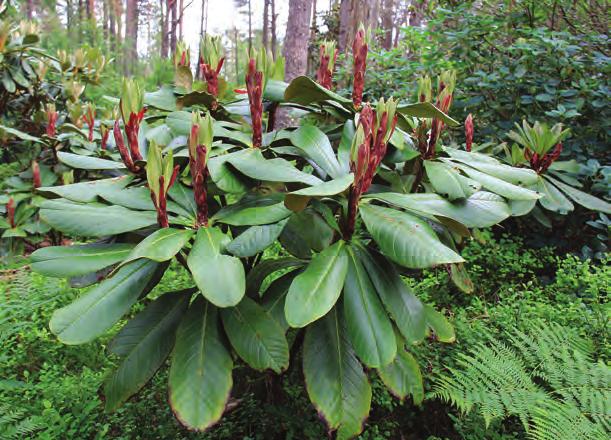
{"points": [[265, 37], [249, 26], [201, 36], [131, 35], [173, 25], [296, 40], [313, 25], [118, 8], [351, 14], [163, 24], [181, 8], [416, 13], [273, 28], [387, 23], [29, 9], [105, 30], [237, 61]]}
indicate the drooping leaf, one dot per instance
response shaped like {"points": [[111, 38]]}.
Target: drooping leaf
{"points": [[88, 162], [303, 90], [314, 292], [139, 198], [161, 245], [425, 110], [584, 199], [252, 211], [403, 306], [144, 343], [72, 261], [93, 220], [274, 297], [448, 182], [369, 328], [440, 325], [335, 380], [499, 186], [316, 146], [460, 277], [257, 339], [553, 199], [87, 191], [252, 164], [521, 207], [406, 239], [403, 377], [220, 278], [100, 308], [257, 275], [255, 239], [481, 210], [298, 200], [200, 375], [308, 229]]}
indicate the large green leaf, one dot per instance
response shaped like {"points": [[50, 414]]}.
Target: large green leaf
{"points": [[440, 325], [469, 157], [343, 150], [93, 220], [17, 133], [87, 191], [274, 298], [403, 306], [200, 374], [405, 239], [585, 200], [369, 328], [489, 165], [481, 210], [257, 339], [251, 211], [274, 90], [161, 245], [403, 377], [139, 198], [183, 196], [99, 309], [297, 200], [553, 199], [317, 147], [335, 380], [255, 239], [314, 292], [220, 277], [265, 268], [303, 90], [87, 162], [252, 163], [72, 261], [425, 110], [499, 186], [308, 230], [448, 182], [521, 207], [144, 343], [223, 175]]}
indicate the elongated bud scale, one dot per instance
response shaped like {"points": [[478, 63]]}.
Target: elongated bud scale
{"points": [[469, 132], [359, 53], [125, 155], [51, 119], [36, 175], [211, 61], [328, 56], [254, 86]]}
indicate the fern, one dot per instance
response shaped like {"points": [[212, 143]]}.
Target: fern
{"points": [[547, 378], [15, 425]]}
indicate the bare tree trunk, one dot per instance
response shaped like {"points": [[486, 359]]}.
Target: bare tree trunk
{"points": [[249, 26], [416, 12], [105, 30], [273, 28], [180, 20], [237, 61], [297, 37], [265, 37], [351, 14], [387, 23], [173, 24], [163, 25], [313, 25], [201, 36], [29, 9], [118, 8], [131, 35]]}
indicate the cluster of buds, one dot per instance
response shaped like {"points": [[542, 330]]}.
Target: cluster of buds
{"points": [[182, 56], [469, 132], [445, 91], [359, 52], [374, 129], [328, 56], [89, 118], [540, 163], [255, 84], [10, 212], [37, 181], [51, 115], [161, 175], [132, 113], [73, 90], [104, 133], [200, 144], [75, 113], [211, 61]]}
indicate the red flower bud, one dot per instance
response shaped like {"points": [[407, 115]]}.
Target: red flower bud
{"points": [[10, 212], [131, 130], [36, 175], [125, 155], [324, 74], [211, 75], [359, 52], [90, 121], [469, 132], [254, 86], [51, 121]]}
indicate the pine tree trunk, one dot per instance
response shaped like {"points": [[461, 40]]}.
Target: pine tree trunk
{"points": [[265, 36], [351, 14], [297, 37], [173, 25], [163, 19], [388, 23], [273, 28], [180, 21], [249, 26], [131, 35]]}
